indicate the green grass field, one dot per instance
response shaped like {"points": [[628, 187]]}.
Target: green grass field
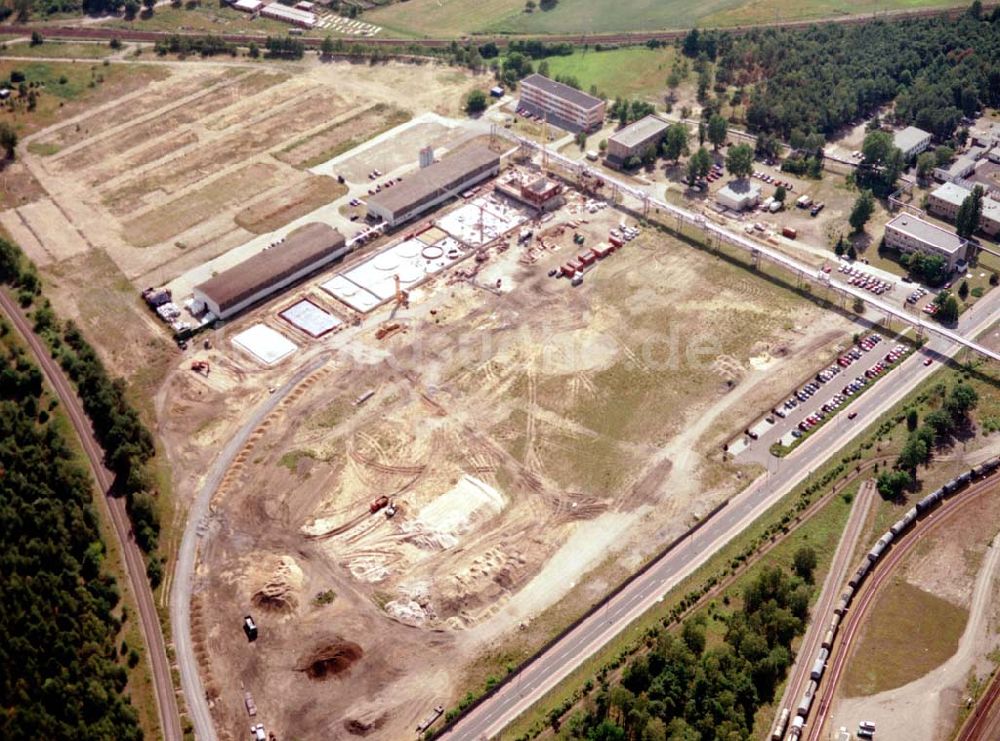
{"points": [[457, 17], [903, 617], [634, 72], [206, 18], [62, 50]]}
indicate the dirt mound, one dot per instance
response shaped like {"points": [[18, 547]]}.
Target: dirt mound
{"points": [[278, 594], [330, 659], [364, 726]]}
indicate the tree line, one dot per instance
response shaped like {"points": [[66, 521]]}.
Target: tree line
{"points": [[687, 687], [128, 445], [60, 673], [939, 425], [937, 70]]}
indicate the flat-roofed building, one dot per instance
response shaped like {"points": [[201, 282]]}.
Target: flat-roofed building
{"points": [[434, 184], [564, 105], [945, 201], [960, 168], [635, 139], [538, 192], [302, 252], [739, 195], [911, 141], [278, 12], [907, 233]]}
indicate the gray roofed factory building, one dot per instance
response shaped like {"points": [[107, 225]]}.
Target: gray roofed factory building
{"points": [[302, 252], [434, 184], [635, 139]]}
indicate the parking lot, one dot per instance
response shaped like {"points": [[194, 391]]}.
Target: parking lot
{"points": [[823, 397]]}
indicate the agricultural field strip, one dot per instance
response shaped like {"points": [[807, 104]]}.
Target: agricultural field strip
{"points": [[147, 133], [201, 163], [216, 139], [113, 132], [304, 141], [124, 112], [158, 153], [198, 206]]}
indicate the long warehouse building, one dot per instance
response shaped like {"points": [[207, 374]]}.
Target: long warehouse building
{"points": [[434, 184], [303, 251]]}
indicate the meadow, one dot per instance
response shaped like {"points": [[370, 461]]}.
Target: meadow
{"points": [[443, 18]]}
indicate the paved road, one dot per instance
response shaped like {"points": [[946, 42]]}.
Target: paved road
{"points": [[840, 567], [527, 686], [746, 450], [134, 562], [180, 595]]}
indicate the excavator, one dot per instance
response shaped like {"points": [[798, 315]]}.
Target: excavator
{"points": [[201, 366]]}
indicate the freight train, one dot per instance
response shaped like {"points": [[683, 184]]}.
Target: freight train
{"points": [[926, 504]]}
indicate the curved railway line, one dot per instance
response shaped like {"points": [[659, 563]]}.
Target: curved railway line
{"points": [[133, 560], [876, 566], [983, 721]]}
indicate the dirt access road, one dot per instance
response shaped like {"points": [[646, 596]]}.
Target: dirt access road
{"points": [[920, 714], [525, 687], [915, 710], [180, 596], [135, 565]]}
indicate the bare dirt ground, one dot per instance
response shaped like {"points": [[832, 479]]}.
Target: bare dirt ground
{"points": [[192, 165], [525, 436], [959, 565]]}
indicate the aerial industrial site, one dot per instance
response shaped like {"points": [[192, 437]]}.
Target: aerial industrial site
{"points": [[480, 389]]}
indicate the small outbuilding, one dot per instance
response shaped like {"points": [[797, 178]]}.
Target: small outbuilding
{"points": [[739, 195]]}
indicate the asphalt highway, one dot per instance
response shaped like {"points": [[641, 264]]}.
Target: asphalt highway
{"points": [[134, 561], [527, 686]]}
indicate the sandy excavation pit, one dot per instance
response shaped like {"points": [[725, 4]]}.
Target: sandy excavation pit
{"points": [[523, 438]]}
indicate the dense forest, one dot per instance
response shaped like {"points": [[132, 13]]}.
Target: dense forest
{"points": [[687, 687], [816, 80], [59, 673], [128, 445]]}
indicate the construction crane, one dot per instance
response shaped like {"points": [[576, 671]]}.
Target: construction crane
{"points": [[402, 298]]}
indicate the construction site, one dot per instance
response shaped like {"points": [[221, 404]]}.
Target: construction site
{"points": [[451, 429], [480, 437]]}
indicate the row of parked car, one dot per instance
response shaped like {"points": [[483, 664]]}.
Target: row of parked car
{"points": [[525, 113], [715, 173], [774, 181], [824, 376], [861, 279], [918, 293], [387, 184]]}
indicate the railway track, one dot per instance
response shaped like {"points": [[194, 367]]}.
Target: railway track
{"points": [[641, 37], [983, 724], [132, 557], [840, 567], [872, 588]]}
